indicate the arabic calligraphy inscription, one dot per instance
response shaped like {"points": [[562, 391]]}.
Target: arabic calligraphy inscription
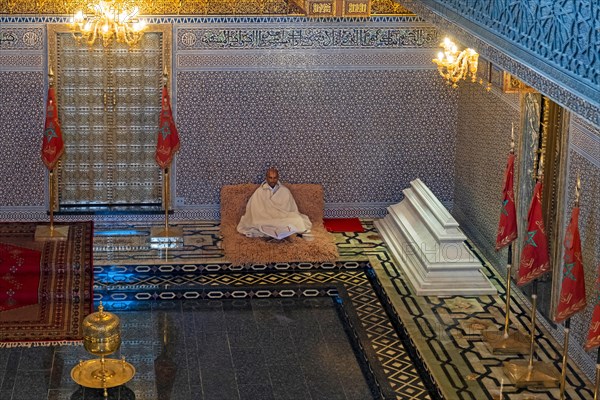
{"points": [[306, 38], [17, 38]]}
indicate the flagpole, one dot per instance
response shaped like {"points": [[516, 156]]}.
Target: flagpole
{"points": [[510, 342], [166, 172], [508, 287], [526, 374], [51, 189], [169, 236], [529, 373], [565, 359], [51, 182], [597, 386], [514, 342], [509, 264], [567, 330], [45, 232], [533, 318], [509, 257], [166, 197]]}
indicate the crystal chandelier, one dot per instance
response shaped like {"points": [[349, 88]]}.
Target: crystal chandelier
{"points": [[454, 65], [110, 20]]}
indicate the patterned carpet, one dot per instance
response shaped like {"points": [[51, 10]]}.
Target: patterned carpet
{"points": [[45, 286], [414, 339]]}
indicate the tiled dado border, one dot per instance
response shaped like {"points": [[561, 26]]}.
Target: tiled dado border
{"points": [[190, 213], [361, 308]]}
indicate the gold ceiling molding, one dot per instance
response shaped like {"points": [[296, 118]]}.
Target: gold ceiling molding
{"points": [[190, 7], [389, 7]]}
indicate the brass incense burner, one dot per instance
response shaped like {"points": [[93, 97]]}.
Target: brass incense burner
{"points": [[102, 337]]}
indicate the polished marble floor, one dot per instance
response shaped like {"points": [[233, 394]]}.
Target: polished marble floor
{"points": [[197, 327], [217, 349]]}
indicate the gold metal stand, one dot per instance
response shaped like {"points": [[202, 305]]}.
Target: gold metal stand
{"points": [[565, 359], [169, 236], [530, 373], [102, 337], [51, 232], [102, 373], [510, 341], [597, 385]]}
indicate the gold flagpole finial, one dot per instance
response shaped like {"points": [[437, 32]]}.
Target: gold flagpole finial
{"points": [[512, 139], [50, 76], [577, 190]]}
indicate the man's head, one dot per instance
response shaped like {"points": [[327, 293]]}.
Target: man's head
{"points": [[272, 176]]}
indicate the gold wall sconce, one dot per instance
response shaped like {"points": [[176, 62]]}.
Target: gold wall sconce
{"points": [[454, 65]]}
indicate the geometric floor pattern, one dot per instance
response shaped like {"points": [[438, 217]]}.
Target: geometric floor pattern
{"points": [[374, 333], [128, 272], [445, 330]]}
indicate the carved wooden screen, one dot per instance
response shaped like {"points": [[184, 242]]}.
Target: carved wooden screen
{"points": [[109, 103]]}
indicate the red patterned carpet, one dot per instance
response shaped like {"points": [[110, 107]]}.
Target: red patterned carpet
{"points": [[45, 287]]}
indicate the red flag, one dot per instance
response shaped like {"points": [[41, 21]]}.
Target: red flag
{"points": [[572, 292], [168, 138], [534, 257], [52, 144], [507, 227], [593, 339]]}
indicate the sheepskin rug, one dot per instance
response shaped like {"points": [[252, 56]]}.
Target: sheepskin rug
{"points": [[240, 249]]}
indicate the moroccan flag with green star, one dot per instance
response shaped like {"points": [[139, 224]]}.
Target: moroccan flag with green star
{"points": [[52, 143], [534, 256], [168, 138], [572, 292], [593, 339], [507, 227]]}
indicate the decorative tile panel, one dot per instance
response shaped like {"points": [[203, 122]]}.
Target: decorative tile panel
{"points": [[364, 135], [22, 181], [585, 140], [407, 59], [12, 61], [584, 159], [482, 145]]}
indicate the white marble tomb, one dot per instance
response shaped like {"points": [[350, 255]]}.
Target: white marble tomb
{"points": [[430, 248]]}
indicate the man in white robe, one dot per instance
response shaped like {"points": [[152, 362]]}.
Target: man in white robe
{"points": [[272, 211]]}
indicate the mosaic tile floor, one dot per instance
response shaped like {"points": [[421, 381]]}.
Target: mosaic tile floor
{"points": [[402, 346]]}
